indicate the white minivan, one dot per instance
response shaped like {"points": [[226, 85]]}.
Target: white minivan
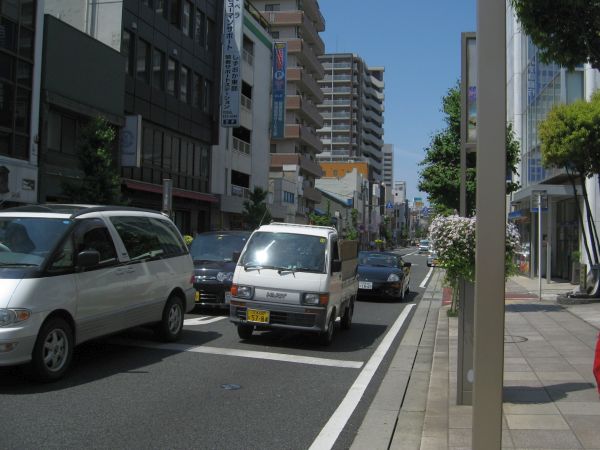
{"points": [[70, 273], [296, 277]]}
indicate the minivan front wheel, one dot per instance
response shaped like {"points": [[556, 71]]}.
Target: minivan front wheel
{"points": [[171, 325], [326, 337], [53, 350]]}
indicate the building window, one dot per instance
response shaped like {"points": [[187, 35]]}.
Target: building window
{"points": [[275, 34], [210, 34], [199, 27], [172, 77], [8, 30], [147, 3], [206, 95], [187, 18], [161, 7], [158, 70], [176, 13], [184, 84], [288, 197], [22, 110], [197, 84], [143, 61], [128, 50], [272, 7], [7, 92]]}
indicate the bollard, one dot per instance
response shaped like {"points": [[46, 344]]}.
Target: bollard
{"points": [[597, 364]]}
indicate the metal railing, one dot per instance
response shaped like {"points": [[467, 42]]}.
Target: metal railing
{"points": [[240, 191], [246, 102], [241, 146], [248, 57]]}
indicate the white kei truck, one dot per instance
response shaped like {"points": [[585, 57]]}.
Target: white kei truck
{"points": [[295, 277]]}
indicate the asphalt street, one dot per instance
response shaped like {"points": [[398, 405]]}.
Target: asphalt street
{"points": [[211, 390]]}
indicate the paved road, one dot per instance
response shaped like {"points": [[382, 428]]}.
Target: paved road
{"points": [[210, 390]]}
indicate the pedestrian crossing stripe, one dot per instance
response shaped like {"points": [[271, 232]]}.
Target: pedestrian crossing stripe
{"points": [[202, 320]]}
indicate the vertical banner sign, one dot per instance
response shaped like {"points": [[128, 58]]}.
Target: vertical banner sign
{"points": [[471, 91], [131, 141], [279, 82], [231, 75], [167, 196]]}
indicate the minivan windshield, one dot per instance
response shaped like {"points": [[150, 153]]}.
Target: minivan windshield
{"points": [[27, 241], [216, 246], [285, 251]]}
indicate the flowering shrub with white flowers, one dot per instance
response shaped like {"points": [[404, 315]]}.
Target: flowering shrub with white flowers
{"points": [[453, 238]]}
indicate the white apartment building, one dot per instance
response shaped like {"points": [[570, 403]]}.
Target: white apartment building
{"points": [[353, 112], [399, 192], [294, 143], [241, 160], [533, 88]]}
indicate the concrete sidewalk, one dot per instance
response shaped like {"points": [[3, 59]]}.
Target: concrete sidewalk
{"points": [[550, 396]]}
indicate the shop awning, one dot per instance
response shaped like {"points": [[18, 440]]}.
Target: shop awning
{"points": [[182, 193]]}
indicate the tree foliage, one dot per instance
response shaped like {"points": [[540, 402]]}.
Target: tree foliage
{"points": [[440, 176], [255, 210], [101, 183], [566, 32]]}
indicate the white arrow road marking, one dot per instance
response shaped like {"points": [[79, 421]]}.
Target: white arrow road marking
{"points": [[338, 420], [202, 320], [242, 353]]}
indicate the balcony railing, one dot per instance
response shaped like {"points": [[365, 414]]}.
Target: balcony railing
{"points": [[241, 146], [246, 102], [240, 191], [248, 57]]}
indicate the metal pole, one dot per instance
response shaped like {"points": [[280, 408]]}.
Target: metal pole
{"points": [[540, 245], [491, 225]]}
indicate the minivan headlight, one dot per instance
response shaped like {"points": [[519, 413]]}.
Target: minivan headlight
{"points": [[393, 277], [10, 316]]}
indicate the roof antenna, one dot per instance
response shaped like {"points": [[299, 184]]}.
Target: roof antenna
{"points": [[263, 216]]}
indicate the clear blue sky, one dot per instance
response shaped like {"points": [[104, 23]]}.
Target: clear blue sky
{"points": [[418, 43]]}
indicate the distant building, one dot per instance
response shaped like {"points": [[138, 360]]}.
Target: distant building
{"points": [[388, 170], [399, 192]]}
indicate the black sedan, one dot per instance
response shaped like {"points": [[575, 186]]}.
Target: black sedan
{"points": [[383, 275]]}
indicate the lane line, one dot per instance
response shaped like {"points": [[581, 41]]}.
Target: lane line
{"points": [[340, 417], [203, 320], [283, 357], [424, 283]]}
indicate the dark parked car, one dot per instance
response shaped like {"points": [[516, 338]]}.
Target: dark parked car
{"points": [[383, 275], [215, 255]]}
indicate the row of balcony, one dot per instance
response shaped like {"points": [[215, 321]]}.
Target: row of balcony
{"points": [[336, 90], [306, 56], [312, 9], [304, 134], [307, 29], [306, 164], [305, 108], [306, 81], [336, 102]]}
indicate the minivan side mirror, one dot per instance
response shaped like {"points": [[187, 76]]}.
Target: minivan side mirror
{"points": [[336, 266], [236, 256], [407, 264], [88, 258]]}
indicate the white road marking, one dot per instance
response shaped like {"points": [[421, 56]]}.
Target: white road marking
{"points": [[424, 283], [338, 420], [242, 353], [202, 320], [412, 253]]}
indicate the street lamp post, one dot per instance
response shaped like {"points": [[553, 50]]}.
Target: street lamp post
{"points": [[491, 225]]}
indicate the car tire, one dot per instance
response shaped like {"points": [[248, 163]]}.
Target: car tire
{"points": [[170, 327], [326, 337], [52, 352], [245, 331], [346, 321]]}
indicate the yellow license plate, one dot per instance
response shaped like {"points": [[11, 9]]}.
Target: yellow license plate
{"points": [[197, 296], [253, 315]]}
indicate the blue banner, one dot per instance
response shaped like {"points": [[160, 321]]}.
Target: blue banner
{"points": [[279, 83]]}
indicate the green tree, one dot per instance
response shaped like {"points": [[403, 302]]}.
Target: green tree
{"points": [[440, 176], [100, 183], [570, 139], [255, 210], [351, 229], [322, 219], [566, 32]]}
